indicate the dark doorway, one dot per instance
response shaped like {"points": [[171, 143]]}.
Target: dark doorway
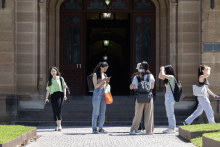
{"points": [[108, 40]]}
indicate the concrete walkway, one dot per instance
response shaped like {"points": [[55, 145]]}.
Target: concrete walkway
{"points": [[116, 137]]}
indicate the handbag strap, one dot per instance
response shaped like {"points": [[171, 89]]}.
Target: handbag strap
{"points": [[61, 82], [171, 86]]}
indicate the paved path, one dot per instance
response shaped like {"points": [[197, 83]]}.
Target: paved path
{"points": [[116, 137]]}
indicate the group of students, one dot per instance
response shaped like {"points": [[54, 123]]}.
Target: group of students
{"points": [[56, 88]]}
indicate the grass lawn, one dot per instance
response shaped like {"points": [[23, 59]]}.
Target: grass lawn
{"points": [[197, 141], [10, 132], [214, 136], [202, 127]]}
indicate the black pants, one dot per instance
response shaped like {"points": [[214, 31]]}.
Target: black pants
{"points": [[57, 102]]}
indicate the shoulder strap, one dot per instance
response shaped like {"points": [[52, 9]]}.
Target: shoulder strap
{"points": [[170, 87], [61, 82], [148, 78], [174, 85]]}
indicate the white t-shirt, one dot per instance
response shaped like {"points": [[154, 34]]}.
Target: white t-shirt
{"points": [[151, 80]]}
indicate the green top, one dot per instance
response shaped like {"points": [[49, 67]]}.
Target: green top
{"points": [[56, 85], [172, 83]]}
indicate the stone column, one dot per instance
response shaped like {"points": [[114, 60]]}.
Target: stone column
{"points": [[42, 47], [173, 49], [189, 39]]}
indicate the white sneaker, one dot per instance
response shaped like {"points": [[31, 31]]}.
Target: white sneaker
{"points": [[132, 132], [169, 131], [56, 129], [139, 131], [59, 128]]}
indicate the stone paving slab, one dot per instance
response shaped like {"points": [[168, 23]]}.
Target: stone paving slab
{"points": [[116, 137]]}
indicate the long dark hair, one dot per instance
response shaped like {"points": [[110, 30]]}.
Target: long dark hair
{"points": [[169, 71], [144, 69], [50, 76], [97, 69], [200, 69]]}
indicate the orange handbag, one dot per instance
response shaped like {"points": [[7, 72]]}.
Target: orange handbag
{"points": [[108, 95]]}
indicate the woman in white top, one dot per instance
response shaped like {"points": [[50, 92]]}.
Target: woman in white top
{"points": [[100, 80], [167, 75], [204, 103], [148, 108]]}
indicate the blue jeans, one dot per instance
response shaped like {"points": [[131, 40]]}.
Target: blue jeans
{"points": [[169, 103], [99, 107]]}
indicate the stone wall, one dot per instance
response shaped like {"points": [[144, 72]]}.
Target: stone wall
{"points": [[211, 33], [7, 59], [189, 32]]}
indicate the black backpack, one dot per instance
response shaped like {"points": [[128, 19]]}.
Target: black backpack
{"points": [[144, 93], [67, 88], [90, 83], [177, 92]]}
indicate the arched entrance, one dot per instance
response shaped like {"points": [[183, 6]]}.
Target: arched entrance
{"points": [[122, 32]]}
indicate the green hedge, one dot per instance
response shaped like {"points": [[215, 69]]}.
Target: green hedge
{"points": [[10, 132]]}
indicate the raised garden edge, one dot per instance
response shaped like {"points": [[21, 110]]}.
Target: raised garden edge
{"points": [[208, 142], [19, 140], [190, 135]]}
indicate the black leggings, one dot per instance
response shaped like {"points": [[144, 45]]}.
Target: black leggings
{"points": [[57, 102]]}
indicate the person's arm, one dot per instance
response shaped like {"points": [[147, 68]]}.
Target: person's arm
{"points": [[163, 75], [160, 77], [95, 81], [47, 96], [134, 83], [212, 93], [206, 72], [152, 80]]}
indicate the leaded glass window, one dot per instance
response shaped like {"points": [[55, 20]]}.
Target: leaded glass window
{"points": [[72, 39], [143, 5], [72, 5]]}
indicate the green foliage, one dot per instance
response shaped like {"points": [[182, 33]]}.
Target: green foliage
{"points": [[202, 127], [214, 136], [197, 141], [10, 132]]}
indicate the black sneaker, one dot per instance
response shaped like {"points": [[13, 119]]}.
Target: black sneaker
{"points": [[102, 131], [94, 131]]}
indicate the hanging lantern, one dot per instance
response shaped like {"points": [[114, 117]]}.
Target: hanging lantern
{"points": [[107, 2]]}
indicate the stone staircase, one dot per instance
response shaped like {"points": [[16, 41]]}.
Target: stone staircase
{"points": [[78, 112]]}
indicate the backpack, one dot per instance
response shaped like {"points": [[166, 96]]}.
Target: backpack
{"points": [[90, 83], [67, 88], [177, 92], [144, 93]]}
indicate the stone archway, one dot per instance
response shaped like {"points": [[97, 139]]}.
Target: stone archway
{"points": [[162, 32]]}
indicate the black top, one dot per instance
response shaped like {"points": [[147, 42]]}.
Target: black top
{"points": [[203, 83]]}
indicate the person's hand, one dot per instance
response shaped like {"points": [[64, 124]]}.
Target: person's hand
{"points": [[46, 101], [216, 96], [162, 67], [132, 86], [65, 98]]}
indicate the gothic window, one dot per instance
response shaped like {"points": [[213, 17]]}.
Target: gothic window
{"points": [[72, 5], [143, 5]]}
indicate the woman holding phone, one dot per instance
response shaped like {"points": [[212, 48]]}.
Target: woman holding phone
{"points": [[100, 81]]}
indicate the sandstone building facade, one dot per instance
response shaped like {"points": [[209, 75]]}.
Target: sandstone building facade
{"points": [[33, 37]]}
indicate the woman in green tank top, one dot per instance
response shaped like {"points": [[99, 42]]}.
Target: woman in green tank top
{"points": [[56, 88]]}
